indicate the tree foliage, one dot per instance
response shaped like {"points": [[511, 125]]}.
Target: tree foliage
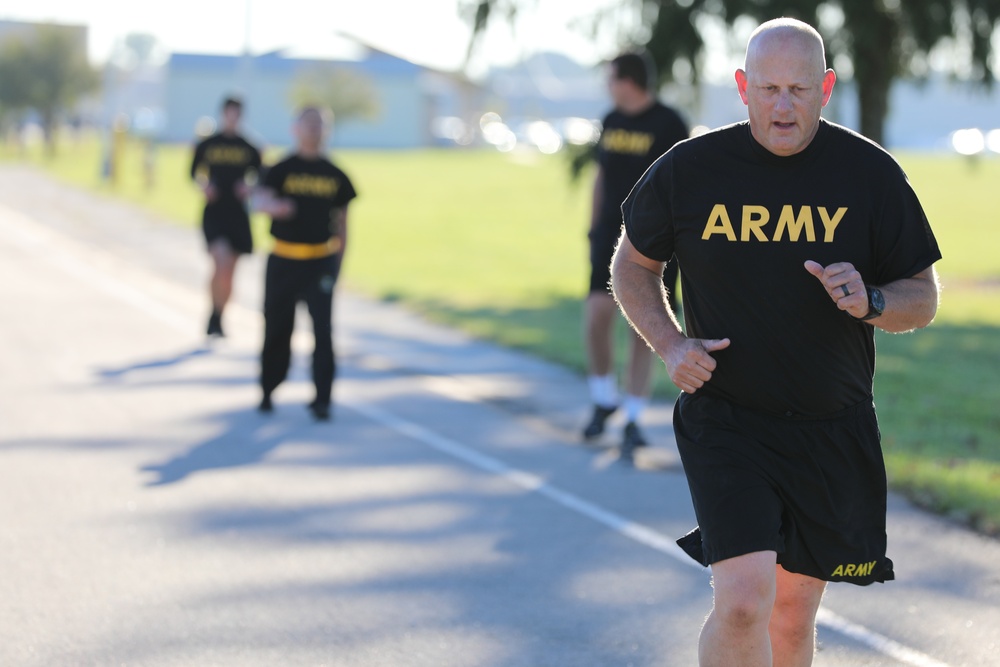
{"points": [[138, 49], [347, 93], [875, 41], [44, 70]]}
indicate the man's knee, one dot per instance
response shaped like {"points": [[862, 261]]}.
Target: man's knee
{"points": [[793, 627], [222, 252], [745, 589], [797, 599], [746, 608], [601, 308]]}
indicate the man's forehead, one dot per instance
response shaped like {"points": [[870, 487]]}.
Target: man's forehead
{"points": [[764, 77], [786, 42]]}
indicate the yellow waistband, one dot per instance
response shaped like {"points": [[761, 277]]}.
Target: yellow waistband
{"points": [[289, 250]]}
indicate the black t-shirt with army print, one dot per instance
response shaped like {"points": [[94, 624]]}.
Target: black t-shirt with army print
{"points": [[228, 159], [318, 188], [743, 221], [628, 145]]}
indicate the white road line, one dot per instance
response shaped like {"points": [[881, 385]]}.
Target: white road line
{"points": [[630, 529], [33, 237], [878, 642]]}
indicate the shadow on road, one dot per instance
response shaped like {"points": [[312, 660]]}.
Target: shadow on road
{"points": [[111, 374], [245, 439]]}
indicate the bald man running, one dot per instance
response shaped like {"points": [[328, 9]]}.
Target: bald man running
{"points": [[796, 238]]}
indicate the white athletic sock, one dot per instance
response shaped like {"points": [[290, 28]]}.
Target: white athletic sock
{"points": [[634, 405], [603, 390]]}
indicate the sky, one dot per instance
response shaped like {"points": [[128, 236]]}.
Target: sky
{"points": [[428, 32]]}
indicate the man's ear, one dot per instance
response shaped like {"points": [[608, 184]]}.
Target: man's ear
{"points": [[829, 78], [741, 85]]}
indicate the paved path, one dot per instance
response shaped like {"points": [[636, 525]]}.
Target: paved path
{"points": [[447, 517]]}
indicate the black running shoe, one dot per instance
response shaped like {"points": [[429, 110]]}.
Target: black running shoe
{"points": [[633, 437], [596, 425], [215, 325], [320, 413], [265, 407]]}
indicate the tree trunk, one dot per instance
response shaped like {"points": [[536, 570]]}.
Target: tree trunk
{"points": [[875, 57], [49, 131], [873, 105]]}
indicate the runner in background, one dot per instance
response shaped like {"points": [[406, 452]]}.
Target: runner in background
{"points": [[224, 165]]}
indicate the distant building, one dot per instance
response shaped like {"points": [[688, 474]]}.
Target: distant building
{"points": [[548, 86], [923, 115], [407, 96], [27, 30]]}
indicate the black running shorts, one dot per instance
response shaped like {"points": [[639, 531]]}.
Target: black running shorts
{"points": [[603, 241], [814, 491], [229, 221], [602, 247]]}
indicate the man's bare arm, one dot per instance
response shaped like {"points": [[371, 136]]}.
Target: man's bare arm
{"points": [[637, 284], [910, 303]]}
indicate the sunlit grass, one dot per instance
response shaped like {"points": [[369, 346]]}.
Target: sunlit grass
{"points": [[959, 195], [496, 244]]}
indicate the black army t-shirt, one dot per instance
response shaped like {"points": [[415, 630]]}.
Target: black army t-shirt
{"points": [[628, 145], [743, 221], [318, 188], [228, 160]]}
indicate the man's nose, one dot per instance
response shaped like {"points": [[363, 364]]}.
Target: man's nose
{"points": [[784, 101]]}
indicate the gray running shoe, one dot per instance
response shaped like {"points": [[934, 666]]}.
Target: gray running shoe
{"points": [[596, 425], [633, 437]]}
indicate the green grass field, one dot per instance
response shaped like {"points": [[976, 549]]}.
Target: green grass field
{"points": [[495, 244]]}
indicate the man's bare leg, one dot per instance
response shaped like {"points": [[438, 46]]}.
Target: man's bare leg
{"points": [[736, 632], [600, 315], [601, 311], [793, 621], [221, 282], [640, 367], [637, 391]]}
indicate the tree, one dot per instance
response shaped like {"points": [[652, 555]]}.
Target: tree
{"points": [[346, 93], [46, 71], [137, 49], [14, 86], [876, 41]]}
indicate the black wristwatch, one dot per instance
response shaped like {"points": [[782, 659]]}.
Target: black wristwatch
{"points": [[876, 303]]}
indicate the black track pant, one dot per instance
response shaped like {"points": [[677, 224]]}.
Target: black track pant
{"points": [[287, 282]]}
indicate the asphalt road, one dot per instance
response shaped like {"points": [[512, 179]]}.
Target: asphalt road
{"points": [[448, 516]]}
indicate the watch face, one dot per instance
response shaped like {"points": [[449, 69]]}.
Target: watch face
{"points": [[877, 300]]}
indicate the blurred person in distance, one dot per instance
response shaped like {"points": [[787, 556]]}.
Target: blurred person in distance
{"points": [[307, 197], [637, 131], [224, 164]]}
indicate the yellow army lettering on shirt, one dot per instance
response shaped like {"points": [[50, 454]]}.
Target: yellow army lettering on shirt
{"points": [[217, 155], [310, 185], [625, 141], [790, 223], [854, 569]]}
